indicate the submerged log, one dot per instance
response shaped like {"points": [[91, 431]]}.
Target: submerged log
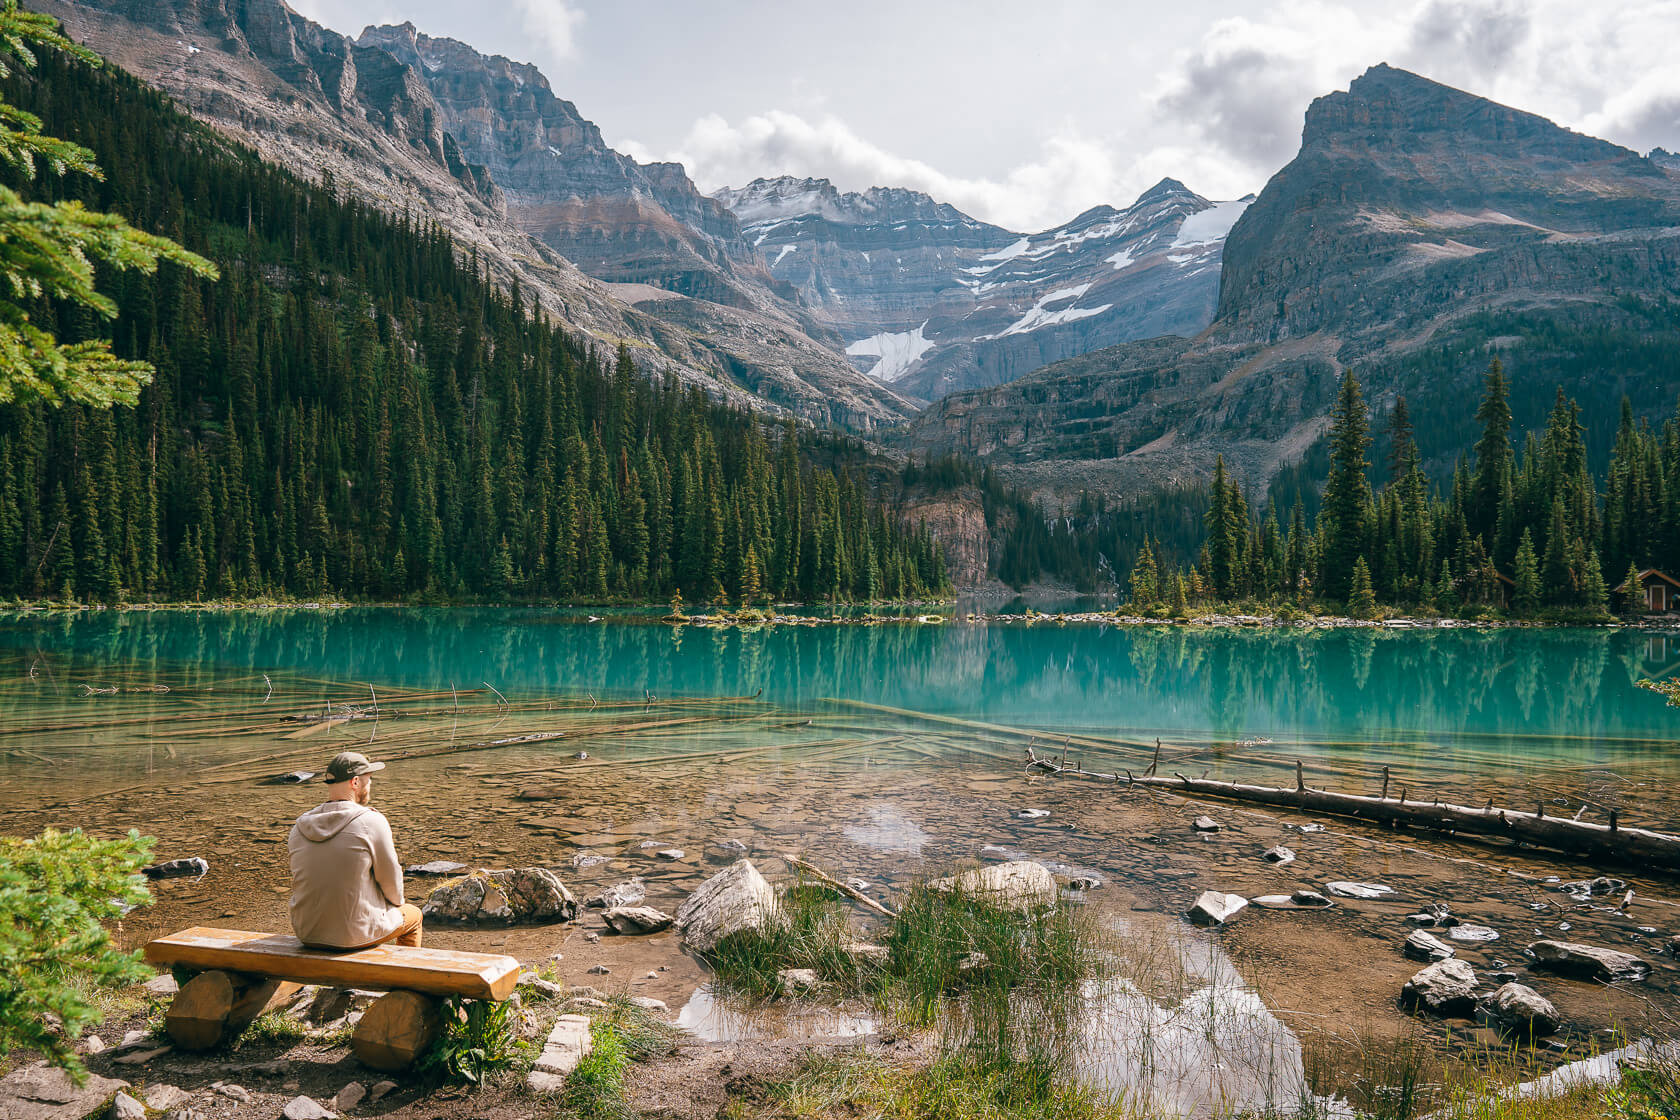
{"points": [[1613, 842]]}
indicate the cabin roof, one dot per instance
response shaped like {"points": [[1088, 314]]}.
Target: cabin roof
{"points": [[1645, 575]]}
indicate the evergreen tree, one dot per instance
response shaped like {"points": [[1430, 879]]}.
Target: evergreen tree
{"points": [[1362, 600], [1525, 594], [49, 249], [1492, 450], [1344, 520], [1633, 594]]}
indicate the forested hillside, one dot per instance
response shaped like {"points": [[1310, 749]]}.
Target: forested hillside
{"points": [[351, 409]]}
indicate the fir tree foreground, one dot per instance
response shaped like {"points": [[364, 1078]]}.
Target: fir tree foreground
{"points": [[50, 249], [57, 892]]}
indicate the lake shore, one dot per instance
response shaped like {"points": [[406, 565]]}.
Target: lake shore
{"points": [[936, 612]]}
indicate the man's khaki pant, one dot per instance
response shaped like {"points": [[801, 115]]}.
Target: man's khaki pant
{"points": [[406, 934]]}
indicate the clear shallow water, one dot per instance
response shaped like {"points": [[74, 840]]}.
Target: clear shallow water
{"points": [[1559, 695]]}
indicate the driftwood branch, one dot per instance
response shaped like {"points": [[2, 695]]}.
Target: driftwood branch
{"points": [[1613, 842], [829, 881]]}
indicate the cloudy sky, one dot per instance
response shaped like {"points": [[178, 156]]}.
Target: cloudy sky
{"points": [[1027, 112]]}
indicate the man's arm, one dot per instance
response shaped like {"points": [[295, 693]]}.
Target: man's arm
{"points": [[387, 869]]}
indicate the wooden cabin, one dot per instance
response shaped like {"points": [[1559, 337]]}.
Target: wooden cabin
{"points": [[1660, 591]]}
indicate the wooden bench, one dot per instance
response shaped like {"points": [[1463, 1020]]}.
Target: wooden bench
{"points": [[241, 974]]}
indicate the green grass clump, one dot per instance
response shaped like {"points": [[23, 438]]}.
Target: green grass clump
{"points": [[274, 1028], [854, 1083], [813, 934], [596, 1087]]}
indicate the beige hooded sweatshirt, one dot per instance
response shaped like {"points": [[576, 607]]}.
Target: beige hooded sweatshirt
{"points": [[347, 884]]}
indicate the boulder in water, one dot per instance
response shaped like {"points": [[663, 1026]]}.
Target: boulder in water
{"points": [[1422, 946], [1279, 855], [1205, 824], [1588, 961], [1525, 1010], [1215, 908], [178, 868], [631, 892], [736, 899], [1358, 890], [636, 919], [1019, 885], [1444, 988], [437, 867], [505, 897]]}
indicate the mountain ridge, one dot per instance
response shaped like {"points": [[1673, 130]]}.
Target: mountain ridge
{"points": [[1392, 245], [932, 300], [296, 92]]}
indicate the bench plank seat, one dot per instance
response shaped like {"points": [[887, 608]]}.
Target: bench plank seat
{"points": [[438, 972]]}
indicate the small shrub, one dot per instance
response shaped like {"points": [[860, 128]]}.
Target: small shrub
{"points": [[56, 892], [479, 1037]]}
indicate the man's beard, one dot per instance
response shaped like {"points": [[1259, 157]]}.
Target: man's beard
{"points": [[364, 796]]}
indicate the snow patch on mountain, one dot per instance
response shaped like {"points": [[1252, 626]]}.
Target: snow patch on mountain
{"points": [[897, 352], [785, 250], [1205, 227], [1040, 316]]}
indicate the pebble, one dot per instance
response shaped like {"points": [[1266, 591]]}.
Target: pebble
{"points": [[125, 1107], [93, 1044], [651, 976], [233, 1092], [380, 1089], [305, 1108], [349, 1097], [1032, 814], [1279, 855], [1465, 931], [647, 1003], [1205, 824], [670, 853], [1358, 890], [591, 936], [600, 970]]}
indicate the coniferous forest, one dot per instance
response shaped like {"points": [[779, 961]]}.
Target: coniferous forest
{"points": [[1533, 531], [353, 409]]}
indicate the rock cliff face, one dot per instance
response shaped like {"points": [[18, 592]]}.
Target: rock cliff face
{"points": [[614, 218], [1414, 215], [315, 101], [933, 301]]}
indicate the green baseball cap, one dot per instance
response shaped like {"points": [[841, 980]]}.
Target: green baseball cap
{"points": [[349, 764]]}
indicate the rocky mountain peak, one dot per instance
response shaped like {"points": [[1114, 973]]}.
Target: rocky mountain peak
{"points": [[1165, 189], [1394, 108], [782, 197]]}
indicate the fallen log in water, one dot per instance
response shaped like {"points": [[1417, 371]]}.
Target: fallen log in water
{"points": [[1635, 846]]}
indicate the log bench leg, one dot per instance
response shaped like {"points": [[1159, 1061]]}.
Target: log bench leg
{"points": [[395, 1030], [214, 1007]]}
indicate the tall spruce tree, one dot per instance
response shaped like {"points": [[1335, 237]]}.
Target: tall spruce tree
{"points": [[1493, 452], [1345, 515]]}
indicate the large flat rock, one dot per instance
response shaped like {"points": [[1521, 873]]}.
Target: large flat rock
{"points": [[40, 1092]]}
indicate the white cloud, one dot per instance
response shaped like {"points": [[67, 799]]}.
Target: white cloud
{"points": [[554, 23], [1066, 175], [1225, 112]]}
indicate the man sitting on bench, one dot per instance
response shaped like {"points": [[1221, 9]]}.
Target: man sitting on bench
{"points": [[347, 884]]}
